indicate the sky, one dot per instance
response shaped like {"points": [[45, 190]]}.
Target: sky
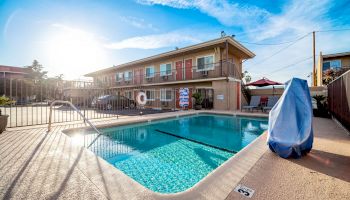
{"points": [[74, 37]]}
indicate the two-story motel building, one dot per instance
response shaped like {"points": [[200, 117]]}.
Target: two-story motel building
{"points": [[212, 68]]}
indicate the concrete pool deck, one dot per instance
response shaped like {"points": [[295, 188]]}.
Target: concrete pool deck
{"points": [[323, 174], [36, 165]]}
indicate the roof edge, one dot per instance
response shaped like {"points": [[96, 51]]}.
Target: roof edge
{"points": [[336, 54], [230, 39]]}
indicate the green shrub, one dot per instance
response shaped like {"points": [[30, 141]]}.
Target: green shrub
{"points": [[5, 101], [198, 98]]}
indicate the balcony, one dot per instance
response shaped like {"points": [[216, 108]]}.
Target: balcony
{"points": [[208, 71]]}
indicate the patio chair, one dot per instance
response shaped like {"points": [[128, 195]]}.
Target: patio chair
{"points": [[270, 103], [254, 103]]}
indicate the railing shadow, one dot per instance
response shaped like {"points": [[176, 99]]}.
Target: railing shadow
{"points": [[331, 164], [8, 193], [68, 175]]}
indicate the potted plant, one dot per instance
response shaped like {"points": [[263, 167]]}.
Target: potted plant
{"points": [[198, 100], [3, 118]]}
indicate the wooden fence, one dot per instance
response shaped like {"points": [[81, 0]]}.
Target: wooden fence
{"points": [[339, 99]]}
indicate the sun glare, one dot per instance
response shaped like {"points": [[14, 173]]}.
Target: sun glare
{"points": [[73, 51]]}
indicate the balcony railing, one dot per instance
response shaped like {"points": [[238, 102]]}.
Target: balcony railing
{"points": [[78, 84], [213, 70]]}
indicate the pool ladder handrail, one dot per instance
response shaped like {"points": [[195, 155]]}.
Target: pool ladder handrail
{"points": [[78, 111]]}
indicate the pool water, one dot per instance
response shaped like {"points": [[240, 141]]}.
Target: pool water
{"points": [[172, 155]]}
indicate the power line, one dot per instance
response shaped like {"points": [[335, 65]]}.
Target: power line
{"points": [[244, 42], [286, 47], [319, 31], [280, 43], [282, 49], [291, 65], [332, 30]]}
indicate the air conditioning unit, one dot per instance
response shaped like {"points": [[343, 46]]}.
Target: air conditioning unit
{"points": [[204, 73], [149, 79], [165, 103]]}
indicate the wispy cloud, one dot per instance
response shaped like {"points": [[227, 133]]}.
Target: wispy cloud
{"points": [[138, 22], [225, 12], [296, 18], [154, 41]]}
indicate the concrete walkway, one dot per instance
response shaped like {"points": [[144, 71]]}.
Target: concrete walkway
{"points": [[322, 174], [37, 165]]}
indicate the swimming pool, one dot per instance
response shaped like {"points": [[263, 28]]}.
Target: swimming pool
{"points": [[172, 155]]}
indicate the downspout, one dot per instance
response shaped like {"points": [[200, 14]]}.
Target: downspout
{"points": [[183, 68], [227, 87], [221, 69], [226, 47]]}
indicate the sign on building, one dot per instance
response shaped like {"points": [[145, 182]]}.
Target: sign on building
{"points": [[184, 97], [220, 97]]}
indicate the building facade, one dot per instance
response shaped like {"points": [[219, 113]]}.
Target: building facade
{"points": [[337, 64], [11, 72], [212, 68]]}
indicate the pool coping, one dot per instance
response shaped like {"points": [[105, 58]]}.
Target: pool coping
{"points": [[216, 185]]}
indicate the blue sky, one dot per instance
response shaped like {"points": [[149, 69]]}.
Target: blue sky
{"points": [[76, 37]]}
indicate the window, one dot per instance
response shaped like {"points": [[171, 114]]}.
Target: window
{"points": [[165, 69], [332, 64], [205, 63], [326, 66], [128, 94], [118, 77], [127, 75], [150, 95], [165, 95], [149, 72]]}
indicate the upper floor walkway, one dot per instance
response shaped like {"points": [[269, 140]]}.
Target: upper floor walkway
{"points": [[178, 74]]}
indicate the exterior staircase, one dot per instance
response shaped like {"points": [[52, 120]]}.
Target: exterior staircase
{"points": [[245, 91]]}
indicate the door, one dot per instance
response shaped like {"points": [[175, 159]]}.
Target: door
{"points": [[188, 69], [179, 70], [208, 98], [138, 77]]}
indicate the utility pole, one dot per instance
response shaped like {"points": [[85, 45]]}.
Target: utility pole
{"points": [[314, 59]]}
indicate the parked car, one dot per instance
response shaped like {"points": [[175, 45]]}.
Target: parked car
{"points": [[21, 102], [109, 102]]}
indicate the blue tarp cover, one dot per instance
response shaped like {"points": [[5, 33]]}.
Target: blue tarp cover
{"points": [[290, 131]]}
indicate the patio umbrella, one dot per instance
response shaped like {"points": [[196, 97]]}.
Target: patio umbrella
{"points": [[265, 82]]}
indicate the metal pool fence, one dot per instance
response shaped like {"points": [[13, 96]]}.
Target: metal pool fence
{"points": [[31, 100], [339, 99]]}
